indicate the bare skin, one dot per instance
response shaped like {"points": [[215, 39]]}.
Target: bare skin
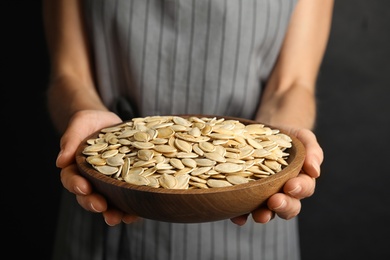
{"points": [[288, 103]]}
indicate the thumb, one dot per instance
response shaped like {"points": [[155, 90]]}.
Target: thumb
{"points": [[69, 143]]}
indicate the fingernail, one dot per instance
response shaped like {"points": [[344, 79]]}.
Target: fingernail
{"points": [[93, 208], [295, 191], [58, 157], [316, 166], [281, 205], [269, 219], [108, 223], [79, 190]]}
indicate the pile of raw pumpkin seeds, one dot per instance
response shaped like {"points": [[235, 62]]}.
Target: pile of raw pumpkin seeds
{"points": [[176, 152]]}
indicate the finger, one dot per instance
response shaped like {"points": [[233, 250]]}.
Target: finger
{"points": [[113, 216], [127, 218], [300, 187], [262, 215], [73, 182], [81, 125], [284, 206], [93, 202], [69, 143], [240, 220], [314, 152]]}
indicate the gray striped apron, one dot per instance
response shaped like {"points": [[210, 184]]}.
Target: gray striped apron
{"points": [[156, 57]]}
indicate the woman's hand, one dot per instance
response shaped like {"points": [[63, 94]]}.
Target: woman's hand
{"points": [[288, 204], [82, 124]]}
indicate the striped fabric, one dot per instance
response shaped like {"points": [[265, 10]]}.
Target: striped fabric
{"points": [[192, 56], [156, 57], [83, 235]]}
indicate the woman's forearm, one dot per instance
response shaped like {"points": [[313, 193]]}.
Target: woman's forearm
{"points": [[66, 95], [295, 107], [71, 87], [289, 95]]}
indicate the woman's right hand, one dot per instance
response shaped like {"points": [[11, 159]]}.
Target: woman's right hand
{"points": [[81, 125]]}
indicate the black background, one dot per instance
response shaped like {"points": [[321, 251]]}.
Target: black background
{"points": [[349, 214]]}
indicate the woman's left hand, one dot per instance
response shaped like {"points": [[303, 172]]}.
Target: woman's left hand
{"points": [[287, 204]]}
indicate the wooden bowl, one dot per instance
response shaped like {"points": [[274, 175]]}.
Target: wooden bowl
{"points": [[191, 205]]}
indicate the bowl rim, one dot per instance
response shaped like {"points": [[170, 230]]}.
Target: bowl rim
{"points": [[295, 161]]}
